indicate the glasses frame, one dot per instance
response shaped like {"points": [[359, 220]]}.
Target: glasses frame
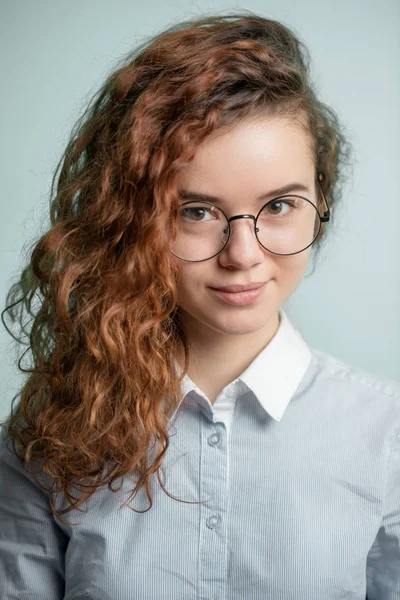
{"points": [[322, 219]]}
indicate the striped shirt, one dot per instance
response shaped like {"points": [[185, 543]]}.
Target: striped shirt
{"points": [[298, 461]]}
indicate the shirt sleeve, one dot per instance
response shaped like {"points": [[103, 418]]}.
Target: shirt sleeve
{"points": [[383, 562], [32, 546]]}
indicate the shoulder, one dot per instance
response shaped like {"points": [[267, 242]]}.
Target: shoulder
{"points": [[14, 469], [333, 369]]}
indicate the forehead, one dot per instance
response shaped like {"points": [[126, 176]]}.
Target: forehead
{"points": [[250, 158]]}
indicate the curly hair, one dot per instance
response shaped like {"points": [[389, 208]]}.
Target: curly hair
{"points": [[103, 386]]}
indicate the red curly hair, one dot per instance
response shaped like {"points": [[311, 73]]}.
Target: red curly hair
{"points": [[103, 387]]}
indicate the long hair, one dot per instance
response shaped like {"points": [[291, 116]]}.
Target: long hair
{"points": [[106, 329]]}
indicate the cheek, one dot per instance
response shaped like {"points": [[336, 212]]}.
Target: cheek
{"points": [[294, 263], [192, 276], [290, 269], [189, 285], [293, 271]]}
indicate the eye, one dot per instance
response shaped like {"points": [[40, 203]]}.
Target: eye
{"points": [[195, 213], [279, 204]]}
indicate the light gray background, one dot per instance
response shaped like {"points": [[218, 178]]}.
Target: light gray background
{"points": [[55, 54]]}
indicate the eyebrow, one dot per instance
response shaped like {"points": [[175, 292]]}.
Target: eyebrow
{"points": [[291, 187]]}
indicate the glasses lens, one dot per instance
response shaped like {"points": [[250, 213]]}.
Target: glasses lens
{"points": [[284, 226]]}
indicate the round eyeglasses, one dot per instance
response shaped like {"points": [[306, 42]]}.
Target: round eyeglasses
{"points": [[286, 225]]}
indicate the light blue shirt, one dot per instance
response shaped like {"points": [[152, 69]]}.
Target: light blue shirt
{"points": [[299, 459]]}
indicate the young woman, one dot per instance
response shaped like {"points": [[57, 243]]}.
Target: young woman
{"points": [[177, 438]]}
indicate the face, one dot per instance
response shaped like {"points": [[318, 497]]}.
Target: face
{"points": [[237, 166]]}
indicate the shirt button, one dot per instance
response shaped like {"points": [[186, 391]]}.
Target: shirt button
{"points": [[214, 439], [213, 521]]}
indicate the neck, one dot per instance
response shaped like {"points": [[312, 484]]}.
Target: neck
{"points": [[217, 359]]}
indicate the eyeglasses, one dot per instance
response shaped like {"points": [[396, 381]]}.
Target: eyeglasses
{"points": [[291, 229]]}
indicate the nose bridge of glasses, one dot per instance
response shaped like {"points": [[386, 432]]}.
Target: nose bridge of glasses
{"points": [[243, 217]]}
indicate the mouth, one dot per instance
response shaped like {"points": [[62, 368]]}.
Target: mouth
{"points": [[242, 298], [232, 289]]}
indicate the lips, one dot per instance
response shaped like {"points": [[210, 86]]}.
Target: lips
{"points": [[241, 288]]}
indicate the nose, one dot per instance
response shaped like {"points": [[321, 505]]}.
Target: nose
{"points": [[249, 227], [243, 246]]}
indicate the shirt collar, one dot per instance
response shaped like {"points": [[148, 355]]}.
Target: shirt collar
{"points": [[274, 374]]}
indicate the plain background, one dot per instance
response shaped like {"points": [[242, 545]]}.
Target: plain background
{"points": [[55, 55]]}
